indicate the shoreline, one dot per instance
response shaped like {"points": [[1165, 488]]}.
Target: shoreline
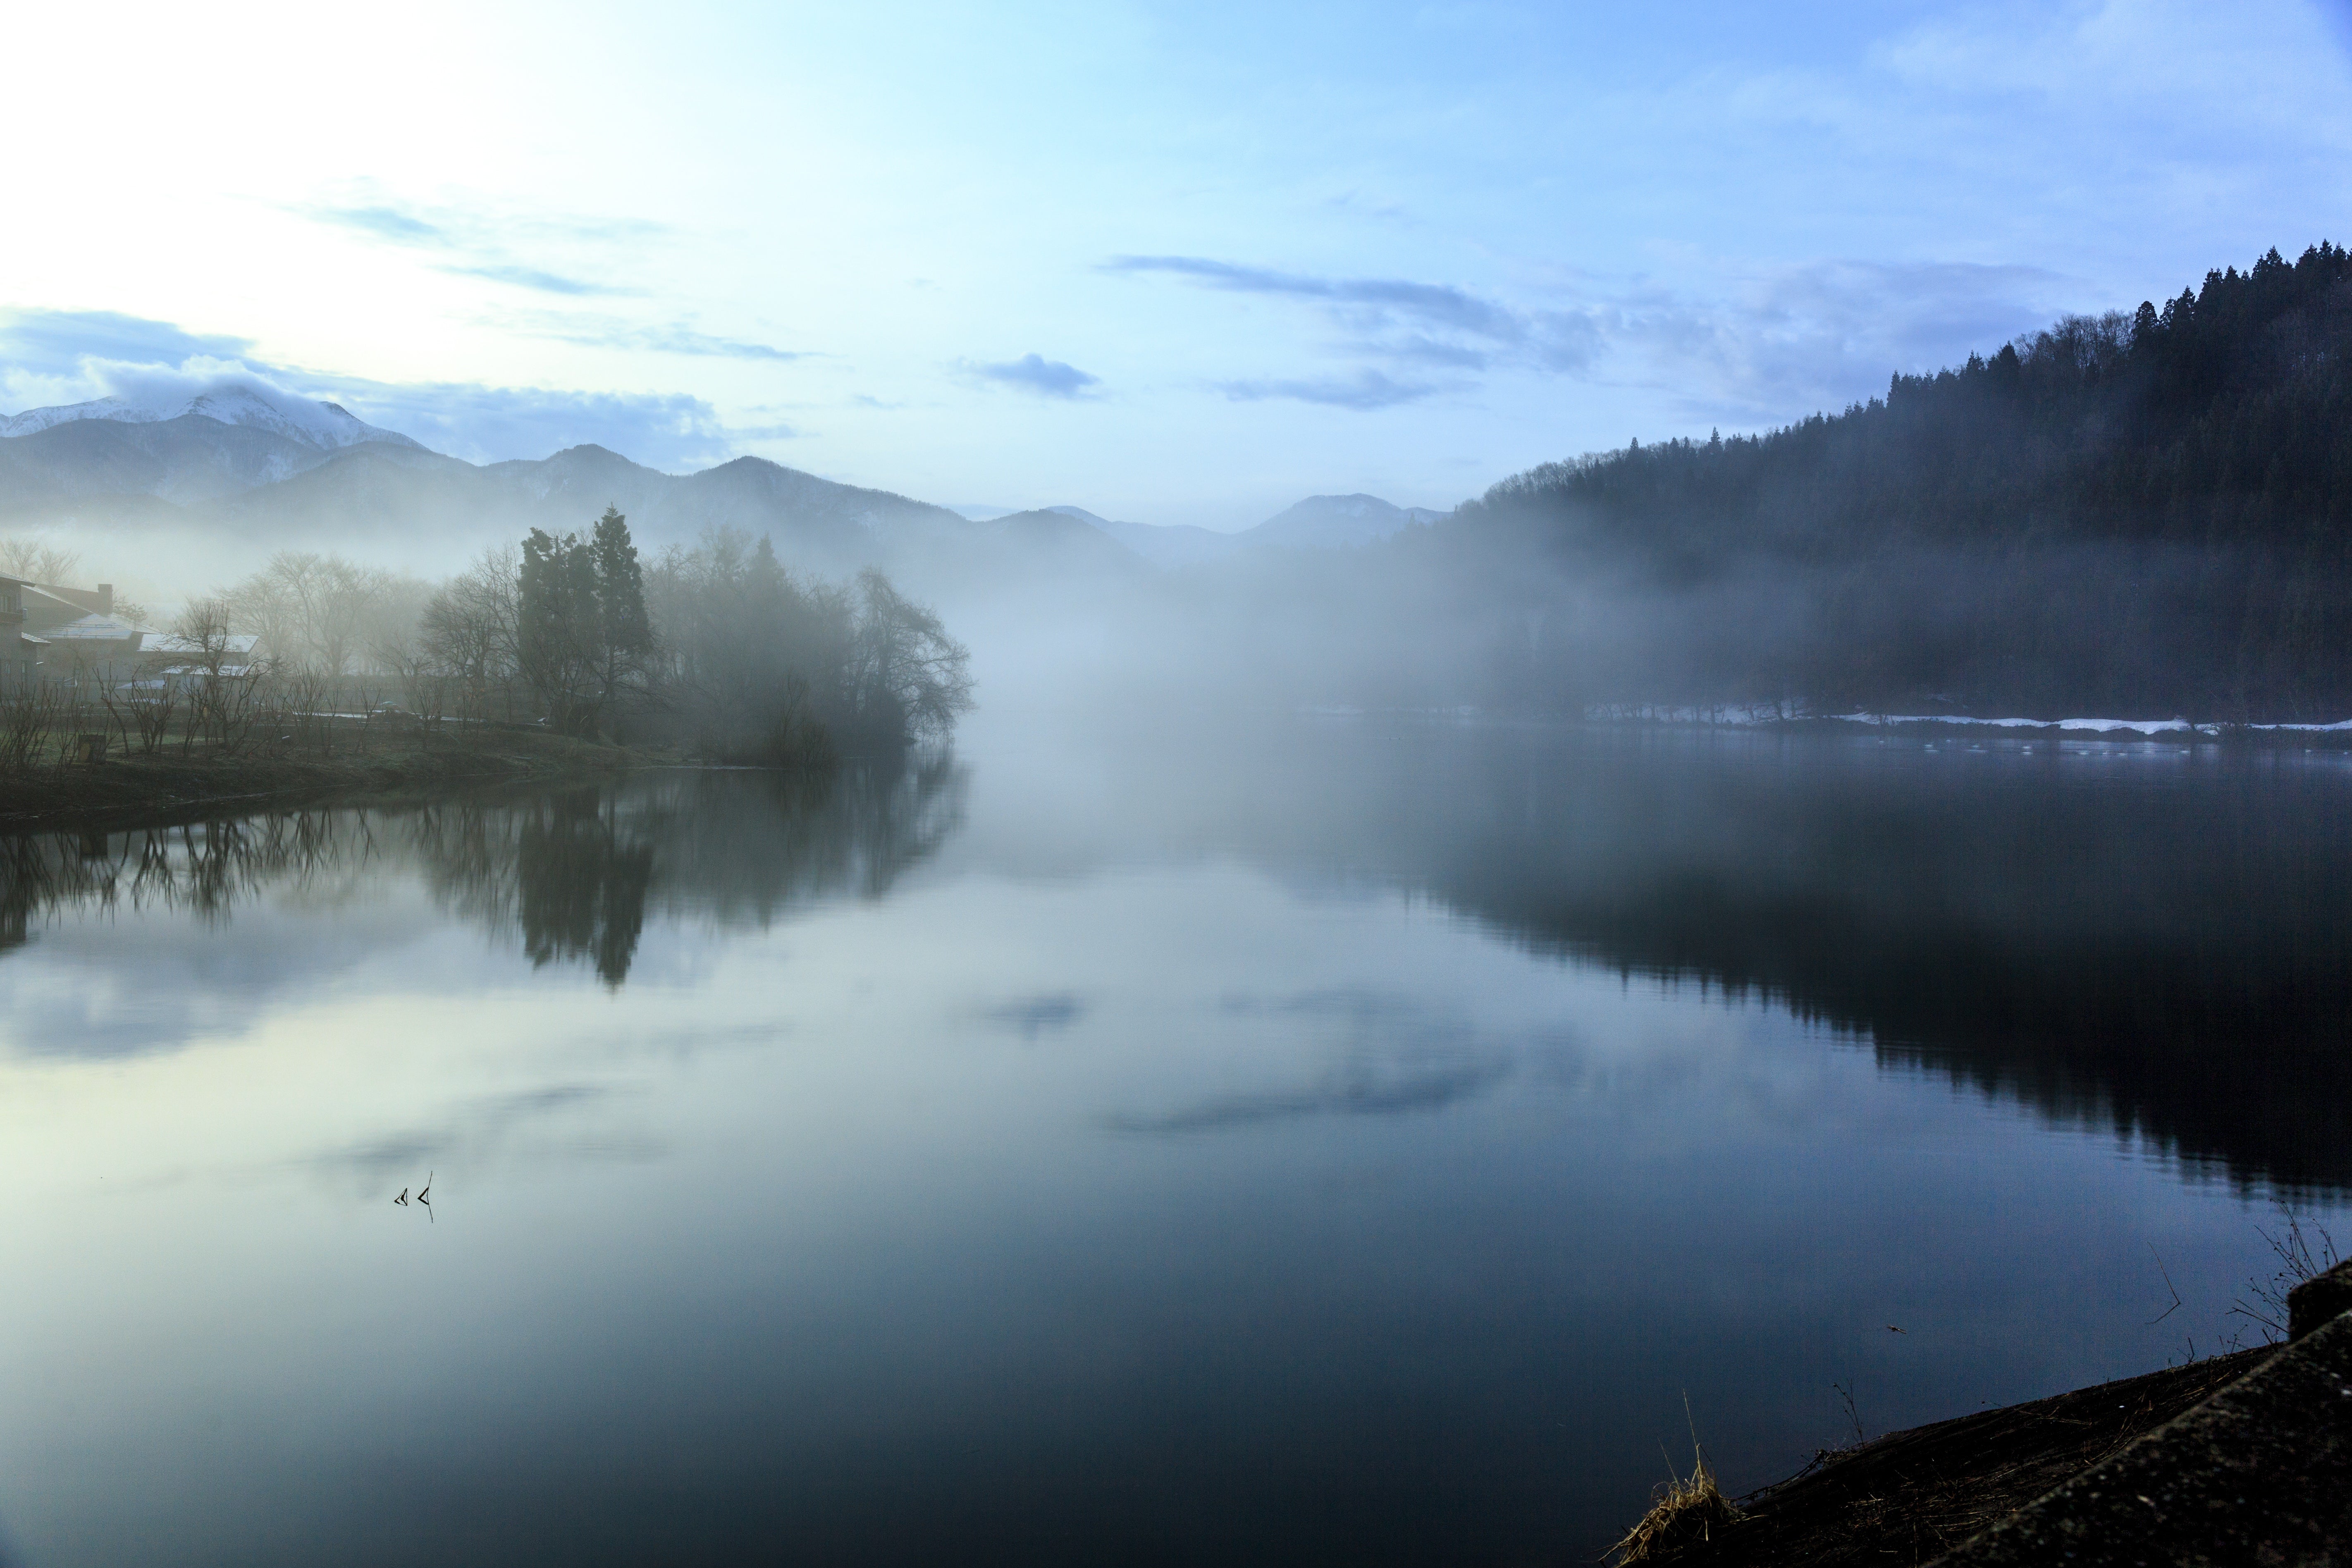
{"points": [[164, 788], [2245, 1458], [1645, 718]]}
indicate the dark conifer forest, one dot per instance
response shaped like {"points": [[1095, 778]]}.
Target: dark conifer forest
{"points": [[2138, 514]]}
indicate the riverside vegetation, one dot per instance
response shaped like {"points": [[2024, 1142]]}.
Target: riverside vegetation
{"points": [[568, 653]]}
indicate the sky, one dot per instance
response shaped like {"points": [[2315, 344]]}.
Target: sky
{"points": [[1171, 263]]}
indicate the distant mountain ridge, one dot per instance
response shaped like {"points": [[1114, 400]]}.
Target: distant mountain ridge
{"points": [[330, 426], [270, 467], [1169, 544], [1323, 522], [1319, 522], [183, 447], [815, 522]]}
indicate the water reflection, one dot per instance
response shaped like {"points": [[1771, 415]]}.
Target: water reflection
{"points": [[569, 874], [1389, 1053], [2163, 955], [204, 870], [2133, 938], [1331, 1146], [2125, 937]]}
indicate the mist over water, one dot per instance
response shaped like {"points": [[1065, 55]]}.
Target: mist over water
{"points": [[1156, 785], [1276, 1138]]}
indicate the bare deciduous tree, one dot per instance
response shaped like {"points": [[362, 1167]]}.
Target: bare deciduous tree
{"points": [[36, 560], [223, 682], [908, 677], [324, 613], [467, 631]]}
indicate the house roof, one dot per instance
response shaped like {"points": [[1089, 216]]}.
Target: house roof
{"points": [[96, 628]]}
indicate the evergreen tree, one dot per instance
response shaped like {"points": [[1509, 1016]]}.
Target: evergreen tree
{"points": [[623, 637], [583, 641], [2150, 510]]}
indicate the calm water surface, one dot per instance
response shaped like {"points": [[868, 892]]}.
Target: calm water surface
{"points": [[1354, 1142]]}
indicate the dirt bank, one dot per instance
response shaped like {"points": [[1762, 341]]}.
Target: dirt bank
{"points": [[2243, 1458]]}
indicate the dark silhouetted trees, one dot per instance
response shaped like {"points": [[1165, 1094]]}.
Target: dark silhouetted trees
{"points": [[756, 664], [2149, 510], [905, 676], [583, 638]]}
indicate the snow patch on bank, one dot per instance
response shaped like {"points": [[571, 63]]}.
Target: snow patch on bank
{"points": [[2138, 726]]}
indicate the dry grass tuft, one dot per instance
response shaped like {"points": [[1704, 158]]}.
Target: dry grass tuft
{"points": [[1688, 1512]]}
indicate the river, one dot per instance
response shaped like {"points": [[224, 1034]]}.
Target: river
{"points": [[1353, 1139]]}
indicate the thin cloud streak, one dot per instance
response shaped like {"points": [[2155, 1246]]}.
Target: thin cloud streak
{"points": [[1045, 378], [465, 235], [534, 279], [1767, 346], [1393, 322], [1437, 303], [1366, 390], [382, 222], [676, 341]]}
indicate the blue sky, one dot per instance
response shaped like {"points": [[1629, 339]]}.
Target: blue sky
{"points": [[1171, 263]]}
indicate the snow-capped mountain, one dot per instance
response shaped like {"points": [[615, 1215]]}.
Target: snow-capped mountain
{"points": [[177, 440], [325, 427]]}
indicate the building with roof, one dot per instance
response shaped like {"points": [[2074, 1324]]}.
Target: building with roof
{"points": [[76, 629], [20, 651], [174, 658], [96, 639], [47, 605]]}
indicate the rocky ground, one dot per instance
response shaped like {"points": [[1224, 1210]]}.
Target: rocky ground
{"points": [[2241, 1460]]}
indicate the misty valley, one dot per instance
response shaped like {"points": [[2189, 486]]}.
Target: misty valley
{"points": [[558, 1010]]}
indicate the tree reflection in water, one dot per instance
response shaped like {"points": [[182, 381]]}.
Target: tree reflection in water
{"points": [[2125, 937], [201, 868], [570, 875], [576, 873]]}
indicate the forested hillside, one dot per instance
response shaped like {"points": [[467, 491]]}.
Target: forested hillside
{"points": [[2144, 511]]}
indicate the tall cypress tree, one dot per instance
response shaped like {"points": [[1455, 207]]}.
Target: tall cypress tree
{"points": [[620, 588], [625, 637], [583, 637]]}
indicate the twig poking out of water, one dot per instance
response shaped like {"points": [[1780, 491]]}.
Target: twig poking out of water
{"points": [[403, 1199], [1684, 1512], [2169, 1285], [1854, 1417]]}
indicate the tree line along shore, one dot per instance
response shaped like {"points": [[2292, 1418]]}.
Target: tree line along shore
{"points": [[565, 653]]}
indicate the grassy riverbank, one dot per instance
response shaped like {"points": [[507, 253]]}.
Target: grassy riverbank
{"points": [[174, 782]]}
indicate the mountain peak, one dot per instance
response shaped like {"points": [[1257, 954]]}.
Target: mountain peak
{"points": [[228, 400], [1320, 522]]}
